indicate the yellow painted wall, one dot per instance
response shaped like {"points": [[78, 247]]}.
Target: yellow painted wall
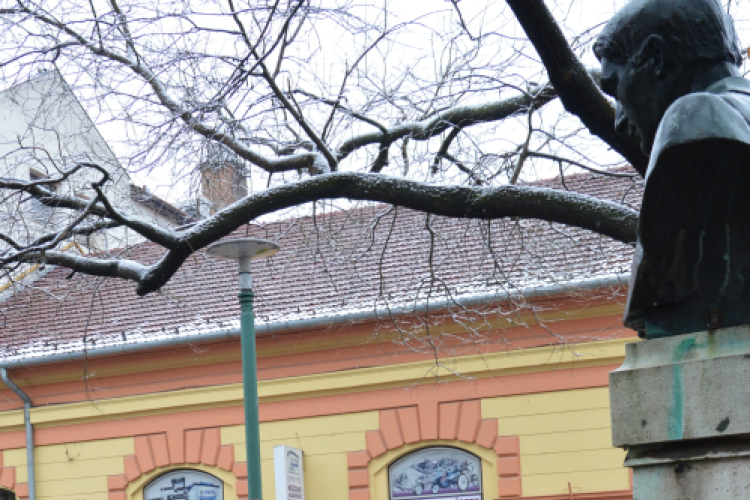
{"points": [[325, 442], [498, 364], [79, 471], [76, 471], [565, 437]]}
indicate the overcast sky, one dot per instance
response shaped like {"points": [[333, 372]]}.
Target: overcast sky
{"points": [[482, 16]]}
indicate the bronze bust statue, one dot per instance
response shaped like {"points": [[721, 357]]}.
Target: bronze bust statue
{"points": [[673, 65]]}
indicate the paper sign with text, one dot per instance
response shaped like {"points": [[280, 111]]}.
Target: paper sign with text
{"points": [[290, 477]]}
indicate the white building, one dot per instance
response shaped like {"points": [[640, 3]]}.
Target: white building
{"points": [[44, 132]]}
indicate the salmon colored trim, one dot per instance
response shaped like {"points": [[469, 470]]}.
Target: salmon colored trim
{"points": [[432, 394], [8, 480], [426, 398], [409, 421], [175, 447], [22, 491], [149, 382], [366, 380], [125, 375], [508, 449], [456, 421], [241, 487]]}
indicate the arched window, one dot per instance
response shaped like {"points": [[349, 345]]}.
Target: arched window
{"points": [[7, 495], [184, 484], [438, 472]]}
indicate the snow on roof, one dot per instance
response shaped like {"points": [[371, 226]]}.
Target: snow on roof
{"points": [[337, 262]]}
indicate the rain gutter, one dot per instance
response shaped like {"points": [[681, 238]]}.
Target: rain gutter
{"points": [[377, 313], [29, 430]]}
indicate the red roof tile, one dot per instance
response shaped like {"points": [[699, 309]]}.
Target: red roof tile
{"points": [[338, 261]]}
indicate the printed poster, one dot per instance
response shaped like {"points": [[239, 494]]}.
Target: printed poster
{"points": [[436, 473], [185, 484]]}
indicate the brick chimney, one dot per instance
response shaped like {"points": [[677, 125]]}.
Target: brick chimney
{"points": [[222, 178]]}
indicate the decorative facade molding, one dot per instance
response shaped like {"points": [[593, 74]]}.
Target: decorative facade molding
{"points": [[452, 421], [240, 472], [178, 447], [8, 480]]}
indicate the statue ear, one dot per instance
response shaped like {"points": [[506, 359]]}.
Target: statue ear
{"points": [[654, 50]]}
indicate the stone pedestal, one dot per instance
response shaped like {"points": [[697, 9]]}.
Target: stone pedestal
{"points": [[681, 407]]}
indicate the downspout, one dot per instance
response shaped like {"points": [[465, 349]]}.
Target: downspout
{"points": [[29, 430]]}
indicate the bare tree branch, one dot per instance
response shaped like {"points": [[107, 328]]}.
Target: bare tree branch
{"points": [[574, 209], [223, 84], [576, 88], [459, 116], [140, 68]]}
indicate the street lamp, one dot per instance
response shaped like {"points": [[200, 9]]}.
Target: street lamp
{"points": [[243, 250]]}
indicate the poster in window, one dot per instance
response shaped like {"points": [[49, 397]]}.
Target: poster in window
{"points": [[439, 473], [185, 484]]}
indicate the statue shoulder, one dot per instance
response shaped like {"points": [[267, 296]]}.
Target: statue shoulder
{"points": [[704, 116]]}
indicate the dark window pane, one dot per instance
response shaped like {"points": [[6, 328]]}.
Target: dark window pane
{"points": [[7, 495]]}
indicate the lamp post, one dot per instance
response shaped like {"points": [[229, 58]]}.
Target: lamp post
{"points": [[243, 250]]}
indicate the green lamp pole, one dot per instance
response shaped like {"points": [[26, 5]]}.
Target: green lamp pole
{"points": [[243, 250]]}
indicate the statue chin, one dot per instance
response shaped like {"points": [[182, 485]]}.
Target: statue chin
{"points": [[635, 134], [646, 144]]}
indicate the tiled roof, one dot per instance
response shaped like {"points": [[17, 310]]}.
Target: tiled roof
{"points": [[339, 261]]}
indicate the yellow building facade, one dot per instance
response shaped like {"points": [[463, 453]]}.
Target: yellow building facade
{"points": [[534, 409]]}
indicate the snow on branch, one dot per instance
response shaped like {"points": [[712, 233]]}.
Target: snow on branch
{"points": [[459, 116], [574, 209], [577, 89]]}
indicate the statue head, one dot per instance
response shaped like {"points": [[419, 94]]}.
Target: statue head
{"points": [[655, 51]]}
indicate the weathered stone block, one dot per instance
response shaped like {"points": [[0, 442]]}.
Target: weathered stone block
{"points": [[688, 387]]}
